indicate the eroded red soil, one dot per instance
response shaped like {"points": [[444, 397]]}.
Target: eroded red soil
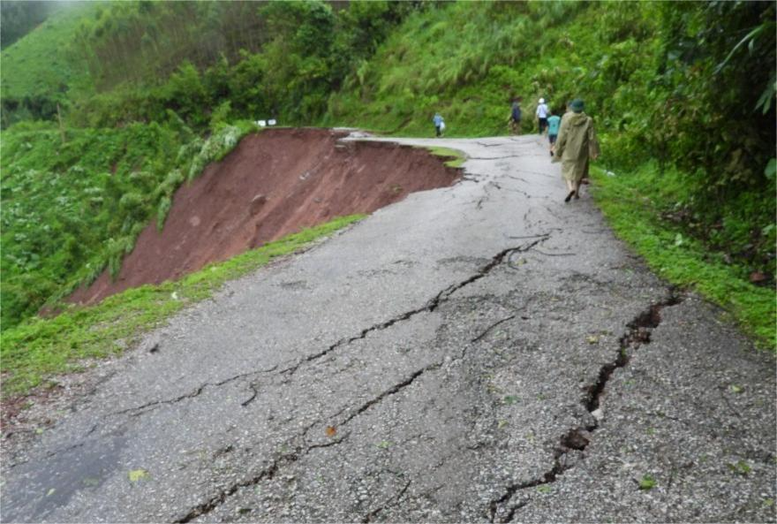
{"points": [[274, 183]]}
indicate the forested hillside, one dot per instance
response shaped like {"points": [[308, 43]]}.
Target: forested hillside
{"points": [[20, 17], [682, 93]]}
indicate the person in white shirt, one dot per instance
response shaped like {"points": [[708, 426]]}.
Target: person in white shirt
{"points": [[542, 115]]}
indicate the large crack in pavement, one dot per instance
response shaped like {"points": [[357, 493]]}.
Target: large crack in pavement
{"points": [[579, 437], [430, 306], [300, 451], [139, 410]]}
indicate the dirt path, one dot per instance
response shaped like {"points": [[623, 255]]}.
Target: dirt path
{"points": [[481, 352]]}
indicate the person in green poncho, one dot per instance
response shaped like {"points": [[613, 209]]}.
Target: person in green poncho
{"points": [[576, 144]]}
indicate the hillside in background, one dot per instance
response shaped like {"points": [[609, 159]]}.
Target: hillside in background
{"points": [[19, 17], [41, 69], [150, 91]]}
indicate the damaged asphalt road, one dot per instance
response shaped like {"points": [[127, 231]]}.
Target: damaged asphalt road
{"points": [[479, 353]]}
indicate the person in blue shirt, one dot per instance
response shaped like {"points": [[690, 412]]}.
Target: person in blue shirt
{"points": [[554, 121], [439, 124]]}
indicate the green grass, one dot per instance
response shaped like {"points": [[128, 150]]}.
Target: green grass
{"points": [[467, 60], [69, 210], [43, 62], [633, 213], [40, 347], [647, 483], [457, 158]]}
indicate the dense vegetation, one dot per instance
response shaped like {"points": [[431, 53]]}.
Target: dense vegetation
{"points": [[20, 17], [249, 59], [108, 107], [39, 71], [72, 208]]}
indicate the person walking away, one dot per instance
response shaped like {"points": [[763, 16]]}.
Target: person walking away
{"points": [[542, 115], [439, 124], [554, 121], [575, 145], [515, 118]]}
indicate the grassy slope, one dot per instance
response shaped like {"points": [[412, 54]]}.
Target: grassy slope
{"points": [[466, 61], [41, 63], [41, 347], [679, 259], [71, 209]]}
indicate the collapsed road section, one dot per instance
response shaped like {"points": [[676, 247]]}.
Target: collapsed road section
{"points": [[274, 183]]}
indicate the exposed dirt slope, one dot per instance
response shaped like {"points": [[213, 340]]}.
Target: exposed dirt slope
{"points": [[274, 183]]}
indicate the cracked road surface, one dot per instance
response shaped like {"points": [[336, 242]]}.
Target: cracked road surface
{"points": [[479, 353]]}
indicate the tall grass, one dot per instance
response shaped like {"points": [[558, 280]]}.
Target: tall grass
{"points": [[635, 215], [463, 59]]}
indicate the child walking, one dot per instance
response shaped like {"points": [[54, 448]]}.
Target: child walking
{"points": [[553, 124], [439, 124]]}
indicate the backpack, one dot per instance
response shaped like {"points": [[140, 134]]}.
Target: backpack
{"points": [[516, 113]]}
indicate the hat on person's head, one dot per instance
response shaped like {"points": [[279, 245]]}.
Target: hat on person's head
{"points": [[577, 105], [542, 100]]}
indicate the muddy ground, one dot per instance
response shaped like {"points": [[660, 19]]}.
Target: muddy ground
{"points": [[274, 183]]}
